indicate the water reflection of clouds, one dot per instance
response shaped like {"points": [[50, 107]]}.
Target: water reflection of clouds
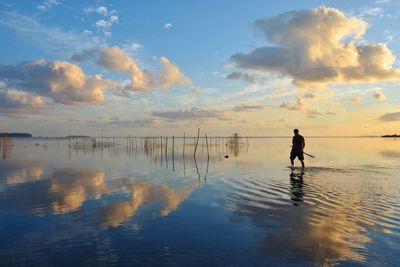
{"points": [[145, 192], [317, 226], [71, 188], [59, 191], [38, 189], [21, 172]]}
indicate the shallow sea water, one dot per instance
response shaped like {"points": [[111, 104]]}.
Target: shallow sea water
{"points": [[125, 206]]}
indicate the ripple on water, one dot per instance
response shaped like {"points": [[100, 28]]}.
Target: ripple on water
{"points": [[338, 209]]}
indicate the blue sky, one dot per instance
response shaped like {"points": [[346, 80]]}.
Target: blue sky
{"points": [[165, 67]]}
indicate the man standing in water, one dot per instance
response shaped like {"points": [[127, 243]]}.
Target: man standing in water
{"points": [[298, 145]]}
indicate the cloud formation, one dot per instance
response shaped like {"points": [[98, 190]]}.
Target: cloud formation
{"points": [[115, 59], [319, 46], [301, 105], [48, 36], [104, 25], [167, 26], [390, 117], [355, 100], [47, 5], [238, 75], [190, 114], [12, 101], [117, 122], [379, 95], [313, 113], [298, 105], [60, 81], [245, 108], [144, 192], [109, 18]]}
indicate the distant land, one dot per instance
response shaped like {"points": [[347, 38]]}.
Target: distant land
{"points": [[391, 135], [78, 136], [17, 134]]}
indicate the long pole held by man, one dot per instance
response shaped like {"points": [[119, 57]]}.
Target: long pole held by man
{"points": [[298, 145]]}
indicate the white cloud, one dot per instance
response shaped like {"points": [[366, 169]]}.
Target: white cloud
{"points": [[114, 19], [131, 48], [47, 36], [372, 12], [319, 46], [382, 1], [102, 10], [104, 25], [388, 35], [167, 26], [48, 4], [107, 19]]}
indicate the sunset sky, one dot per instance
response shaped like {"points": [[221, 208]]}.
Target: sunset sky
{"points": [[259, 68]]}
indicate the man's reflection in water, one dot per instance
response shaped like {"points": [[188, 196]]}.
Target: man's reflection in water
{"points": [[296, 187]]}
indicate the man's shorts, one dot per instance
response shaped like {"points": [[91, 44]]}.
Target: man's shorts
{"points": [[298, 154]]}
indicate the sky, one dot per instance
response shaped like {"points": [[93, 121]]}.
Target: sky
{"points": [[259, 68]]}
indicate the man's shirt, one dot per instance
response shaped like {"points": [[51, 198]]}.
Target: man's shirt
{"points": [[298, 143]]}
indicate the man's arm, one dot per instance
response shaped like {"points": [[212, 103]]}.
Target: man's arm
{"points": [[304, 142]]}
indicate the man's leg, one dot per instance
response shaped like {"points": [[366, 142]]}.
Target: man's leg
{"points": [[302, 163], [292, 161]]}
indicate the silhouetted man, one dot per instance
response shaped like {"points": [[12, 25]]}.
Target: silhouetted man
{"points": [[298, 145]]}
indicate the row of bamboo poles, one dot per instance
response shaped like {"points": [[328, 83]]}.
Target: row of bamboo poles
{"points": [[151, 143]]}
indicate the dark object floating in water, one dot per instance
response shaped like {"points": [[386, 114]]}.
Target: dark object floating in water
{"points": [[226, 156], [391, 135]]}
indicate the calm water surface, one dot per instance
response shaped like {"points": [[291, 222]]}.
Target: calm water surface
{"points": [[125, 205]]}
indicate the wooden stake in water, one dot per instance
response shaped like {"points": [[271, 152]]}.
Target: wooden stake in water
{"points": [[183, 145], [173, 153], [208, 160], [197, 142], [208, 154]]}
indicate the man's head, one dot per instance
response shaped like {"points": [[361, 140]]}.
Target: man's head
{"points": [[296, 131]]}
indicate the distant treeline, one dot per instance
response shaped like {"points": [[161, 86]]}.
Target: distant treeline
{"points": [[16, 134], [391, 135], [78, 136]]}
